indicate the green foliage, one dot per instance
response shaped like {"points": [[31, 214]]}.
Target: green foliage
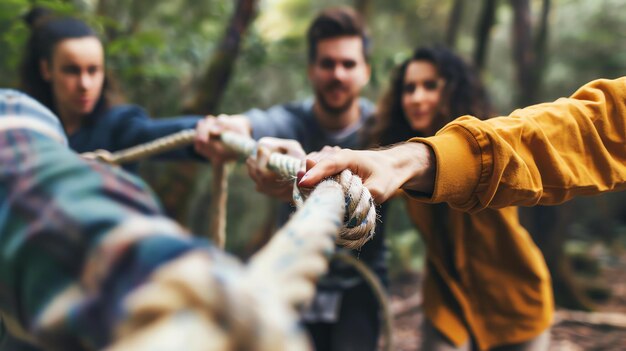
{"points": [[160, 48], [14, 33], [589, 42]]}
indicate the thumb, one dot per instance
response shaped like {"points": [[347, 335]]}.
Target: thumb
{"points": [[262, 157]]}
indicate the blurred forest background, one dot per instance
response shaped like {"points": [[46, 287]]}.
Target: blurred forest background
{"points": [[227, 56]]}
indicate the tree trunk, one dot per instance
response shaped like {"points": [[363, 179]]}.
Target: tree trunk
{"points": [[486, 22], [523, 54], [541, 47], [221, 66], [454, 23]]}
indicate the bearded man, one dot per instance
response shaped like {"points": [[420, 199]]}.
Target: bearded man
{"points": [[344, 314]]}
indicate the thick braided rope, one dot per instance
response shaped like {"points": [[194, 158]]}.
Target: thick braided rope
{"points": [[205, 302], [361, 211], [250, 307], [360, 220]]}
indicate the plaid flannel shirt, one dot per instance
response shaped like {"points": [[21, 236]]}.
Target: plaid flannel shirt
{"points": [[75, 236]]}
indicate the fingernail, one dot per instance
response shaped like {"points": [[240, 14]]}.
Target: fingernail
{"points": [[299, 176], [304, 177]]}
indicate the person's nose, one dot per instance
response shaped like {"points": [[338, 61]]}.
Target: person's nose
{"points": [[418, 96], [85, 81], [339, 72]]}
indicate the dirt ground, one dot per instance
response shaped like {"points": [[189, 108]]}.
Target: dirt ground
{"points": [[567, 335]]}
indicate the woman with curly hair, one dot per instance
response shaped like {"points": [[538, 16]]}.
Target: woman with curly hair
{"points": [[486, 286]]}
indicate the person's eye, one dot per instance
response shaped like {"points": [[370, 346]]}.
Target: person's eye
{"points": [[93, 69], [70, 70], [327, 64], [349, 64], [431, 84], [409, 88]]}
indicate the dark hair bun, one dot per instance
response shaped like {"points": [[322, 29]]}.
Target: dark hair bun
{"points": [[36, 16]]}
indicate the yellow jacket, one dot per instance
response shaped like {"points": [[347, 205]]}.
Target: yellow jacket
{"points": [[543, 154], [484, 275]]}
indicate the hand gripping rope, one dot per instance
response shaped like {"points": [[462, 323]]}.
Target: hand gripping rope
{"points": [[354, 199]]}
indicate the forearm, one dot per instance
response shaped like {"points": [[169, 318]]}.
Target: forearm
{"points": [[414, 166]]}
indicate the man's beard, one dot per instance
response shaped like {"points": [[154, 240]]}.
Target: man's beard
{"points": [[333, 110]]}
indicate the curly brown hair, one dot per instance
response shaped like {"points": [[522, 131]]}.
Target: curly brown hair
{"points": [[463, 94]]}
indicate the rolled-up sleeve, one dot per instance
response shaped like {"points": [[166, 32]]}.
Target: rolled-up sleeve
{"points": [[544, 154]]}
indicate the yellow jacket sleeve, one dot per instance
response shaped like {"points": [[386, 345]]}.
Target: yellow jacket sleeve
{"points": [[543, 154]]}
